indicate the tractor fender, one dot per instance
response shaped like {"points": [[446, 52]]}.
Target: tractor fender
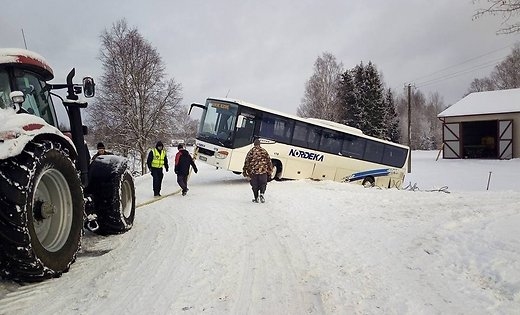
{"points": [[17, 130]]}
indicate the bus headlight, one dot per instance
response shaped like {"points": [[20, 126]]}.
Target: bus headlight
{"points": [[221, 154]]}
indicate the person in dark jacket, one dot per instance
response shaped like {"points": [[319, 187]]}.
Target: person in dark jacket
{"points": [[157, 159], [101, 151], [183, 161]]}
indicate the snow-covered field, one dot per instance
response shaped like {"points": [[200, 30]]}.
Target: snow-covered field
{"points": [[312, 248]]}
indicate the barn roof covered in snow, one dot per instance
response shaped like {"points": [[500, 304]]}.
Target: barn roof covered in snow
{"points": [[490, 102]]}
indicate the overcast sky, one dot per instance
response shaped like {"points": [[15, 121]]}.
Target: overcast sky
{"points": [[264, 51]]}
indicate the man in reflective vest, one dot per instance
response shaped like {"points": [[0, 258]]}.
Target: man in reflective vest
{"points": [[157, 159]]}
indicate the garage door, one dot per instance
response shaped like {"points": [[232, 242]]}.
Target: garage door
{"points": [[451, 140], [505, 139]]}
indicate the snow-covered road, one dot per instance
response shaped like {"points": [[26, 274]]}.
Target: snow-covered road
{"points": [[312, 248]]}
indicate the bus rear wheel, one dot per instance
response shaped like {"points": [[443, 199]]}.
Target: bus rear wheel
{"points": [[369, 182]]}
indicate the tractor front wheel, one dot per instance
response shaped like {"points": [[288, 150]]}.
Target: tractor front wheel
{"points": [[42, 210]]}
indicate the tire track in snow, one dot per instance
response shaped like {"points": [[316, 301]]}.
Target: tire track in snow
{"points": [[269, 279], [165, 234]]}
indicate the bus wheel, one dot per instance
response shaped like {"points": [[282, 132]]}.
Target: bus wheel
{"points": [[368, 182], [276, 174]]}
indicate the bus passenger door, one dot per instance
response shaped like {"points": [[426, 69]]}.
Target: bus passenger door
{"points": [[244, 130]]}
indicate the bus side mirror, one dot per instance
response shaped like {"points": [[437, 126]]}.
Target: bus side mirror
{"points": [[196, 105], [89, 87]]}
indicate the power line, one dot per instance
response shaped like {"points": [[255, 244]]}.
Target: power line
{"points": [[460, 72], [463, 62]]}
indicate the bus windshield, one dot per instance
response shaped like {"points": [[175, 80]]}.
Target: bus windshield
{"points": [[218, 123]]}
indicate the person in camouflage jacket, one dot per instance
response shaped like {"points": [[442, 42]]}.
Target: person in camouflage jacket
{"points": [[258, 166]]}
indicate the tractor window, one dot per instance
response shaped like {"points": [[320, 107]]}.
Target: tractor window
{"points": [[37, 100], [4, 90]]}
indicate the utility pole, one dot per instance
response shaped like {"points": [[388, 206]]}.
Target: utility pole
{"points": [[409, 127]]}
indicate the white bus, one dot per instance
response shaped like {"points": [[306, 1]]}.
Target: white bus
{"points": [[299, 147]]}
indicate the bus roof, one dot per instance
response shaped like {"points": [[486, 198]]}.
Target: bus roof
{"points": [[313, 121], [26, 59], [329, 123]]}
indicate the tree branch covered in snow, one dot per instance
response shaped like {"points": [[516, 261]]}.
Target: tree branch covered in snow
{"points": [[505, 75], [136, 104], [508, 9], [320, 99]]}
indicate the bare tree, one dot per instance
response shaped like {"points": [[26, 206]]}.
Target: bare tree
{"points": [[505, 75], [186, 127], [136, 104], [426, 131], [434, 105], [321, 90], [508, 9], [481, 85]]}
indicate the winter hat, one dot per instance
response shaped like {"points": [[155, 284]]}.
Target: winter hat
{"points": [[100, 145], [159, 144]]}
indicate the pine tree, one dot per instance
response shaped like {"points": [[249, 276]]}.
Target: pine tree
{"points": [[358, 74], [362, 100], [349, 112], [391, 117], [375, 123]]}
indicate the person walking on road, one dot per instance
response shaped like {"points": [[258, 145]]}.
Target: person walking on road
{"points": [[257, 166], [157, 159], [183, 161]]}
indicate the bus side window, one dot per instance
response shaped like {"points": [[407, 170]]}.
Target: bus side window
{"points": [[374, 151], [267, 127], [283, 130], [299, 137], [394, 156], [244, 134], [313, 138], [330, 142], [276, 128], [353, 146]]}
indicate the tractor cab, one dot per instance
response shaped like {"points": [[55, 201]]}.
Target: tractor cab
{"points": [[25, 71]]}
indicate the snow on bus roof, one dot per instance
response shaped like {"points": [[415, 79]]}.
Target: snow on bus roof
{"points": [[336, 125], [28, 58]]}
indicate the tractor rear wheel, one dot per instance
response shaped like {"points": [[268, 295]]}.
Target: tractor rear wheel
{"points": [[113, 191], [42, 213]]}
